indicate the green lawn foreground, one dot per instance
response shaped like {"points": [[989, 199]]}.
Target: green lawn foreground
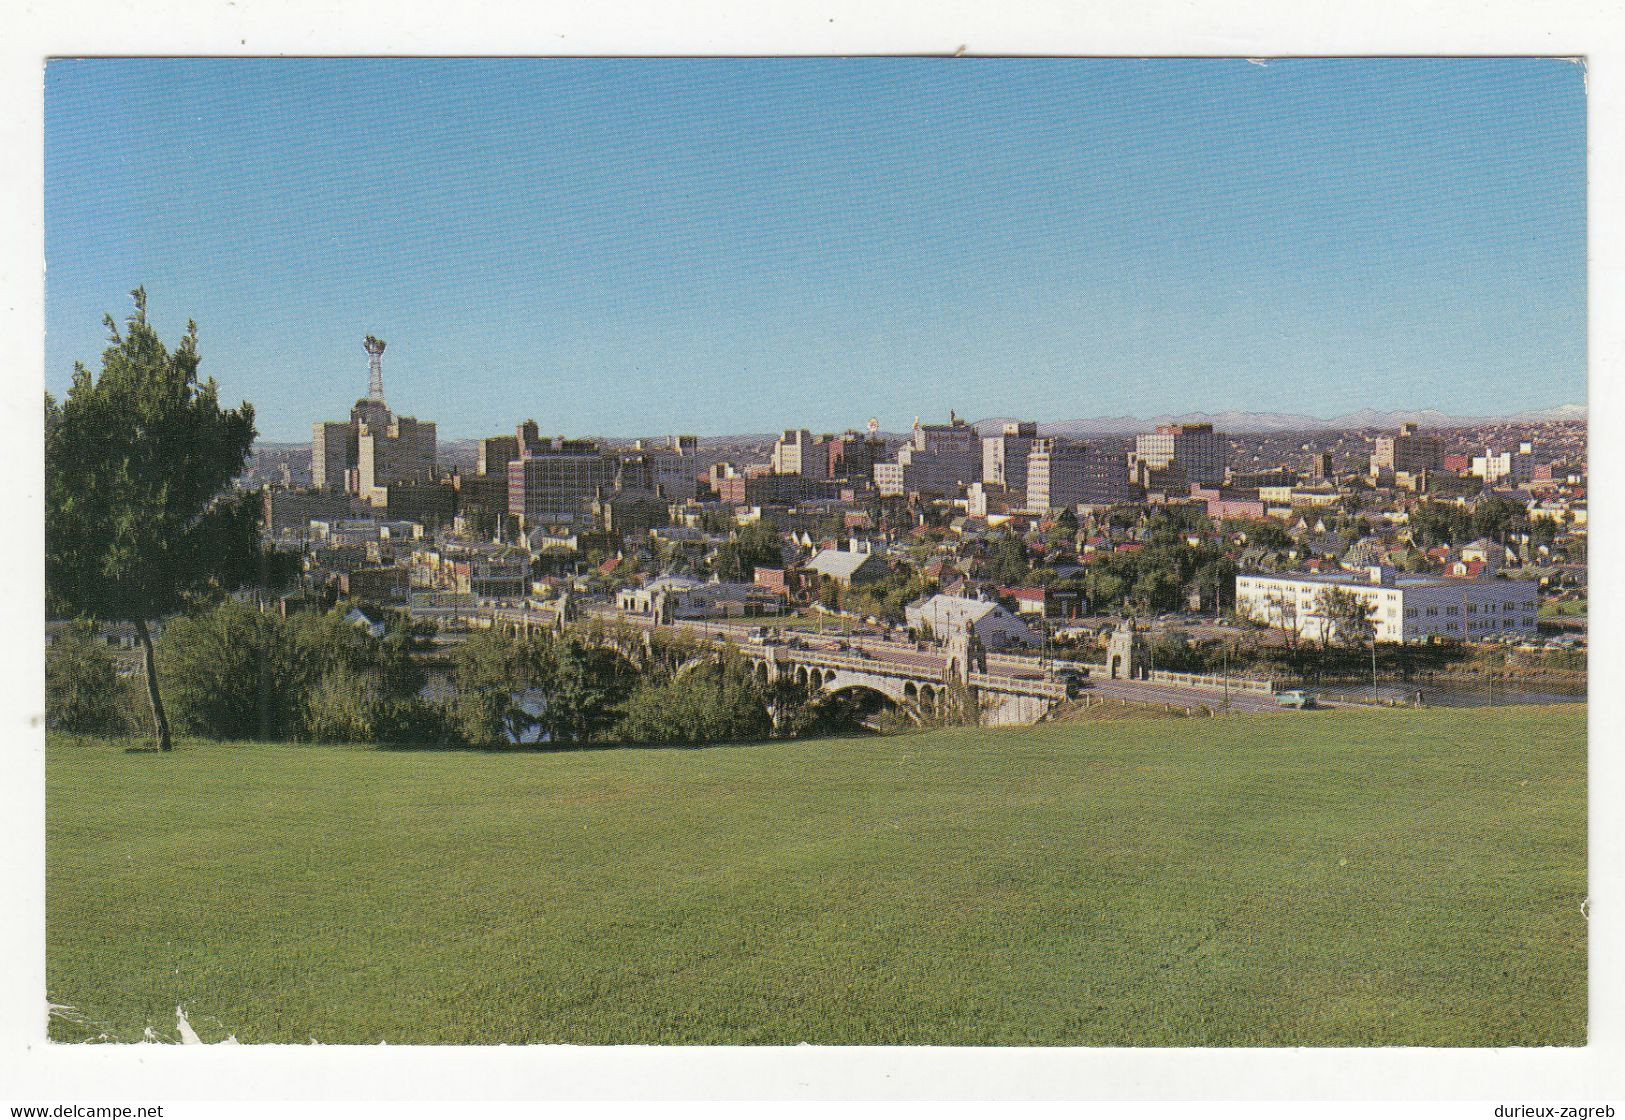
{"points": [[1318, 878]]}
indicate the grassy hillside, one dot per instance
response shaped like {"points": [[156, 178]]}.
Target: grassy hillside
{"points": [[1330, 878]]}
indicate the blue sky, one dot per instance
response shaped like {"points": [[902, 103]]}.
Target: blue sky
{"points": [[633, 247]]}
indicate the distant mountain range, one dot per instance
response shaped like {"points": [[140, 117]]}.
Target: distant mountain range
{"points": [[1286, 421], [460, 449]]}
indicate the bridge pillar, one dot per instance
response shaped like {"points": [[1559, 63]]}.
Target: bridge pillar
{"points": [[1122, 655]]}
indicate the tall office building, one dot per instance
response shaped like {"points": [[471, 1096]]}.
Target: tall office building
{"points": [[402, 450], [672, 467], [796, 452], [1409, 452], [853, 457], [1516, 467], [1062, 473], [939, 460], [1177, 455], [556, 481], [496, 452], [1004, 456], [333, 447], [376, 448]]}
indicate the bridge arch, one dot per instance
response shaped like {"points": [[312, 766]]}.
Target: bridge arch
{"points": [[864, 700]]}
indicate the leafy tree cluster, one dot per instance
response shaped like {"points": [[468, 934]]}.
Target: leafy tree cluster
{"points": [[1009, 562], [1349, 618], [84, 694], [1159, 577], [1445, 523], [885, 597], [560, 689], [1261, 534], [756, 545], [239, 673], [717, 700]]}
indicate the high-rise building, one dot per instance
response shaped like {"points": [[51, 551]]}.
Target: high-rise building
{"points": [[402, 450], [796, 452], [1409, 451], [376, 448], [333, 448], [672, 468], [1004, 456], [853, 457], [1063, 473], [496, 452], [939, 460], [1516, 467], [482, 502], [556, 481], [1191, 453]]}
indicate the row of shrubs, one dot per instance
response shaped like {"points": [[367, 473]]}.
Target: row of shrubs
{"points": [[240, 673], [235, 672]]}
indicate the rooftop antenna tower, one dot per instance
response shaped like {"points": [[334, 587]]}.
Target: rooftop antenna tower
{"points": [[375, 364]]}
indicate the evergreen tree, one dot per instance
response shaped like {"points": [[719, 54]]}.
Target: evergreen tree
{"points": [[139, 461]]}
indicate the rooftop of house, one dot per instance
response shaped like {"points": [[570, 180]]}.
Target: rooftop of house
{"points": [[838, 564]]}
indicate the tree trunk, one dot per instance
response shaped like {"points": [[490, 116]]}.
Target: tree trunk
{"points": [[150, 664]]}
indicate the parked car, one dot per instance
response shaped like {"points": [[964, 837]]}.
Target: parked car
{"points": [[1295, 698]]}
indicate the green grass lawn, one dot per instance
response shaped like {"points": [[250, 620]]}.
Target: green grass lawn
{"points": [[1320, 878], [1562, 608]]}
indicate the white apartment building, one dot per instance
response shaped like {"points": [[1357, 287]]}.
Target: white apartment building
{"points": [[1408, 608], [1493, 466]]}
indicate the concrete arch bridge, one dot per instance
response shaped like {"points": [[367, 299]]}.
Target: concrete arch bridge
{"points": [[916, 684], [914, 687]]}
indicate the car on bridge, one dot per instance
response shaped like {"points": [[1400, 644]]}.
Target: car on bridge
{"points": [[1073, 678]]}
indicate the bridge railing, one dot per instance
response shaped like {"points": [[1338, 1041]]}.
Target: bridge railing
{"points": [[1050, 690], [863, 665], [997, 682], [1213, 683]]}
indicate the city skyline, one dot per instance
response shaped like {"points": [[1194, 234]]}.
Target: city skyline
{"points": [[728, 247], [1117, 427]]}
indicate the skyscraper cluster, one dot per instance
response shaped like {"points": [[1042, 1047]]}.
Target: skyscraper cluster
{"points": [[374, 449]]}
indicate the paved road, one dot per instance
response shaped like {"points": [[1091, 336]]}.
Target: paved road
{"points": [[1001, 664], [903, 652], [1145, 692]]}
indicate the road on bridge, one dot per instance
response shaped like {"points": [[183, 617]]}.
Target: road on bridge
{"points": [[902, 652]]}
